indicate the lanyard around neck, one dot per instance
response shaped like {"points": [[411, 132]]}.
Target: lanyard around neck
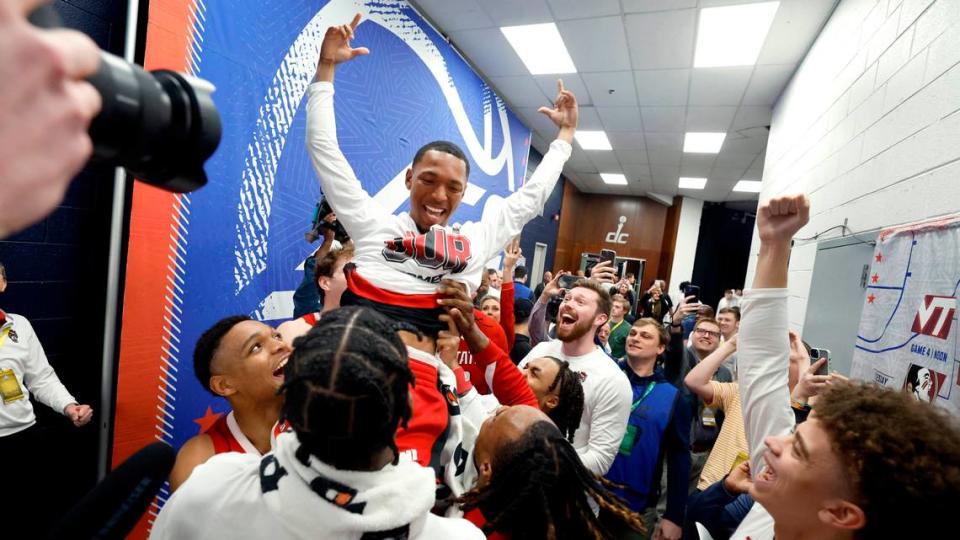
{"points": [[644, 396]]}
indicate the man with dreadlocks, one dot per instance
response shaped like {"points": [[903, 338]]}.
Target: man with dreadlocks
{"points": [[401, 259], [335, 475], [240, 360]]}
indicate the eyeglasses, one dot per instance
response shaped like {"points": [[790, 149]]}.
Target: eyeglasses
{"points": [[703, 332]]}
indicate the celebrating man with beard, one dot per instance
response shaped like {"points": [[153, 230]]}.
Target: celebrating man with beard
{"points": [[606, 391]]}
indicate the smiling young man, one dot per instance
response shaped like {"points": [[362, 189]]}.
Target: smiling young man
{"points": [[658, 430], [242, 361], [400, 260], [866, 461], [606, 390]]}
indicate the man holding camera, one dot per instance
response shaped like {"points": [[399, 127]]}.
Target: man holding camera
{"points": [[584, 309]]}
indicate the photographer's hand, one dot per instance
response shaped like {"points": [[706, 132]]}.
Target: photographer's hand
{"points": [[46, 107]]}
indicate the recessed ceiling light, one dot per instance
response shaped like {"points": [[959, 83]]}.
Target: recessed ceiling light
{"points": [[703, 143], [614, 179], [733, 35], [692, 183], [540, 47], [593, 140], [748, 186]]}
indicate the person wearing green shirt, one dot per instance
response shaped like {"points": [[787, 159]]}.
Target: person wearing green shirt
{"points": [[619, 328]]}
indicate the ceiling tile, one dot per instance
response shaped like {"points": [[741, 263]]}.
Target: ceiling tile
{"points": [[636, 156], [604, 161], [620, 83], [627, 140], [578, 9], [727, 175], [664, 142], [620, 118], [767, 83], [733, 159], [794, 28], [750, 116], [710, 118], [453, 15], [579, 162], [661, 40], [637, 171], [698, 161], [660, 119], [665, 173], [662, 87], [588, 119], [489, 51], [695, 170], [739, 144], [520, 91], [511, 12], [596, 44], [666, 157], [636, 6], [718, 86], [571, 82]]}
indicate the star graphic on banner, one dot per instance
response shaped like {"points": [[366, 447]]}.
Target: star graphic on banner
{"points": [[870, 300], [207, 420], [879, 257], [875, 278]]}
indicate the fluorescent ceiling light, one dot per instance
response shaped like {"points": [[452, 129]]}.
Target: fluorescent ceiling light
{"points": [[614, 179], [692, 183], [733, 35], [540, 47], [748, 186], [703, 143], [593, 140]]}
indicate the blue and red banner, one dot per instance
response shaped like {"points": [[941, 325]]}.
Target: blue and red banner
{"points": [[235, 246]]}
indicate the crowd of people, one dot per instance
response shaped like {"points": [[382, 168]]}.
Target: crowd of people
{"points": [[423, 395]]}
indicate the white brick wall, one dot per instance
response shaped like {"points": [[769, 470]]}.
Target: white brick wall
{"points": [[869, 126]]}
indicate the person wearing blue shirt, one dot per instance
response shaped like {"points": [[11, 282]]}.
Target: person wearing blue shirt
{"points": [[519, 289], [658, 428]]}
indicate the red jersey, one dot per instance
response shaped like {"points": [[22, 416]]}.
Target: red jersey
{"points": [[227, 436]]}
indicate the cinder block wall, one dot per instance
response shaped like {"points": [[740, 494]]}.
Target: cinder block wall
{"points": [[869, 126]]}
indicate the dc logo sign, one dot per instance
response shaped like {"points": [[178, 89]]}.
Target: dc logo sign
{"points": [[935, 316], [618, 237]]}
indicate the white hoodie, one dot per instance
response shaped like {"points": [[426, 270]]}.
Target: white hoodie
{"points": [[240, 496]]}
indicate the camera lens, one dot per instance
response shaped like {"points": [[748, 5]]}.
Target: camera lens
{"points": [[161, 126]]}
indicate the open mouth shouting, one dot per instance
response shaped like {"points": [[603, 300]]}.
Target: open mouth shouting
{"points": [[434, 215], [767, 477], [278, 371], [566, 320]]}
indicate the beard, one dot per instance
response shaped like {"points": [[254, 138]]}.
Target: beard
{"points": [[575, 332]]}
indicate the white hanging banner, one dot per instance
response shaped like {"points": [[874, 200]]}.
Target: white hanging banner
{"points": [[908, 330]]}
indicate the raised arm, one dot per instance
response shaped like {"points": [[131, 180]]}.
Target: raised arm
{"points": [[538, 326], [763, 349], [527, 202], [355, 208], [698, 380], [511, 254]]}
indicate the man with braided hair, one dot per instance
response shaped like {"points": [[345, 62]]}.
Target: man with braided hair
{"points": [[335, 474]]}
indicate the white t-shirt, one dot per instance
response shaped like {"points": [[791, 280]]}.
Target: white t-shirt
{"points": [[606, 403]]}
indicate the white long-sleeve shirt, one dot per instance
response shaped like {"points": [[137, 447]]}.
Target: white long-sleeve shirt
{"points": [[606, 403], [390, 252], [763, 356], [22, 358]]}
